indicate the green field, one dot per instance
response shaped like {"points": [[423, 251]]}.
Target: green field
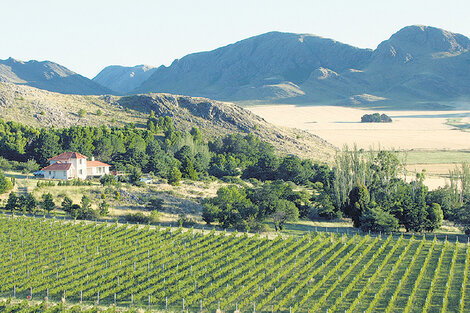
{"points": [[435, 156], [109, 264]]}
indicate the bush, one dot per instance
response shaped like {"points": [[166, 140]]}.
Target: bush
{"points": [[154, 204], [376, 118], [185, 221], [81, 113], [140, 218], [108, 180], [377, 220]]}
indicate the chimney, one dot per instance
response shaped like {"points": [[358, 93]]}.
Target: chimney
{"points": [[92, 158]]}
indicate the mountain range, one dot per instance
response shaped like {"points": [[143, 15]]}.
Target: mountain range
{"points": [[419, 65], [48, 76]]}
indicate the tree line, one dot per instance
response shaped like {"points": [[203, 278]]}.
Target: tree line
{"points": [[367, 187]]}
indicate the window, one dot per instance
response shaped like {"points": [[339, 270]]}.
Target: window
{"points": [[80, 172], [49, 172], [65, 174], [99, 169]]}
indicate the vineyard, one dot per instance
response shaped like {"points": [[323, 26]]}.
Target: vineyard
{"points": [[182, 269]]}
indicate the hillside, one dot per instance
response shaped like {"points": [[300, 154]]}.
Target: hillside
{"points": [[419, 66], [121, 79], [48, 76], [43, 108]]}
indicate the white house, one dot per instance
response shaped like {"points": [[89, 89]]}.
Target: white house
{"points": [[70, 165]]}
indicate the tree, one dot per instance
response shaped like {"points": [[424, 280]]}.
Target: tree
{"points": [[85, 211], [285, 211], [196, 134], [325, 207], [30, 166], [175, 177], [188, 169], [103, 208], [47, 203], [232, 208], [434, 217], [135, 174], [377, 220], [108, 180], [462, 218], [443, 197], [46, 146], [359, 199], [12, 202], [30, 203], [291, 169], [5, 184], [67, 205]]}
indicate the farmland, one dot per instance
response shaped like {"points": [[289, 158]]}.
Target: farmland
{"points": [[162, 268]]}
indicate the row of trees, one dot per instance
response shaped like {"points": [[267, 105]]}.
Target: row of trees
{"points": [[29, 204]]}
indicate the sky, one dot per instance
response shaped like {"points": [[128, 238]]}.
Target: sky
{"points": [[88, 35]]}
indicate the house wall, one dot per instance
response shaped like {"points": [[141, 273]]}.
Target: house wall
{"points": [[58, 174], [79, 169], [98, 171]]}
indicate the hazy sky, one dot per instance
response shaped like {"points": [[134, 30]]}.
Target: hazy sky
{"points": [[86, 36]]}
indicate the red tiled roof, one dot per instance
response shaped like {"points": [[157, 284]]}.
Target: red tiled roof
{"points": [[96, 164], [67, 156], [58, 166]]}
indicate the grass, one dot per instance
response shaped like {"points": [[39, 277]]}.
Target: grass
{"points": [[436, 156]]}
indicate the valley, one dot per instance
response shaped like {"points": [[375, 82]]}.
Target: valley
{"points": [[425, 137]]}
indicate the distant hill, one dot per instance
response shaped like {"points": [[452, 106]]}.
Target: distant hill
{"points": [[122, 79], [37, 107], [48, 76], [418, 64], [270, 66]]}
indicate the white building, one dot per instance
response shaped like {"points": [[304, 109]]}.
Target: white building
{"points": [[71, 165]]}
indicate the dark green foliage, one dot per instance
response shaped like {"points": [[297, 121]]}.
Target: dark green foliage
{"points": [[285, 211], [185, 221], [47, 203], [29, 203], [434, 217], [12, 202], [359, 199], [375, 118], [443, 197], [85, 212], [108, 180], [66, 205], [135, 174], [5, 183], [139, 218], [377, 220], [247, 208], [175, 177], [324, 208], [103, 208], [462, 217]]}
